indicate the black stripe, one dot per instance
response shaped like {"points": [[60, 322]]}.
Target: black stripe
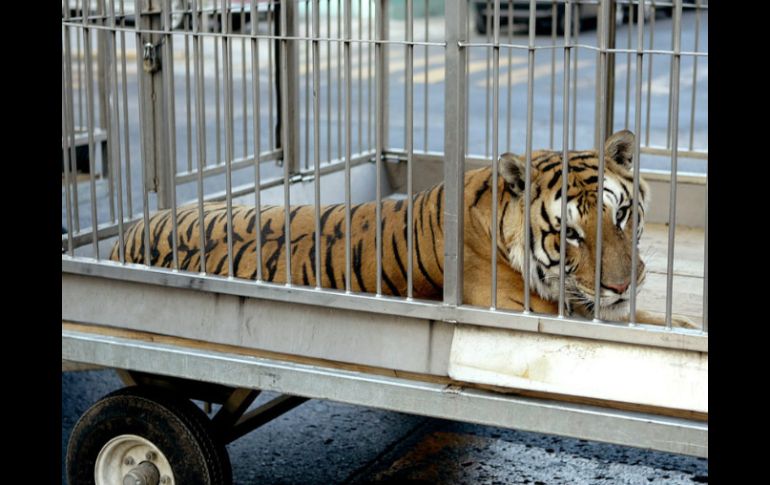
{"points": [[422, 269], [357, 253], [399, 205], [502, 218], [397, 255], [591, 180], [221, 263], [550, 166], [439, 200], [433, 237], [305, 280], [330, 240], [480, 192], [554, 179], [311, 255], [391, 286], [239, 254]]}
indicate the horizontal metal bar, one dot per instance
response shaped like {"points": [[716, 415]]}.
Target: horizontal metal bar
{"points": [[439, 400], [478, 160], [219, 168], [259, 36], [583, 46], [699, 155], [639, 334]]}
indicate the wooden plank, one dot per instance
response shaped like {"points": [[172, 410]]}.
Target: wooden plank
{"points": [[196, 344]]}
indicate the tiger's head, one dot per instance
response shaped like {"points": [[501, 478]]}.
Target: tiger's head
{"points": [[582, 219]]}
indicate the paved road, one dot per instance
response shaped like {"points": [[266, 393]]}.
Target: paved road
{"points": [[328, 443]]}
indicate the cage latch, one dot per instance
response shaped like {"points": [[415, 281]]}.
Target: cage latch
{"points": [[150, 58]]}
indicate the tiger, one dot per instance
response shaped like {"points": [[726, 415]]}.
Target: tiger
{"points": [[617, 235]]}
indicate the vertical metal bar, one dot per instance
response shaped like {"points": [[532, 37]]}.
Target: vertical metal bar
{"points": [[244, 96], [604, 18], [348, 130], [674, 113], [553, 74], [509, 111], [217, 96], [649, 74], [289, 115], [90, 128], [114, 126], [187, 83], [381, 74], [308, 48], [488, 76], [528, 154], [637, 160], [370, 102], [289, 87], [80, 55], [72, 225], [705, 327], [255, 99], [66, 136], [339, 80], [228, 86], [609, 89], [360, 75], [145, 150], [317, 138], [103, 61], [200, 124], [628, 64], [270, 84], [328, 80], [126, 144], [495, 148], [670, 88], [575, 76], [425, 84], [565, 162], [454, 150], [171, 171], [694, 73], [409, 99]]}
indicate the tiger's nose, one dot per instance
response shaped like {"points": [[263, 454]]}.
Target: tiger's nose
{"points": [[620, 289]]}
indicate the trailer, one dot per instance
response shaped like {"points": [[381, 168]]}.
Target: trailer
{"points": [[346, 101]]}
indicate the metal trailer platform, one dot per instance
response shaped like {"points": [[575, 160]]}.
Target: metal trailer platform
{"points": [[178, 335]]}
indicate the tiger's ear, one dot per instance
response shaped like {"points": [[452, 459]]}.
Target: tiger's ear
{"points": [[511, 167], [620, 148]]}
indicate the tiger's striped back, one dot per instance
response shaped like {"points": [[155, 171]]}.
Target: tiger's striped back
{"points": [[428, 241]]}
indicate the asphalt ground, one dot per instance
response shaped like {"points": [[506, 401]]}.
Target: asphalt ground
{"points": [[322, 442]]}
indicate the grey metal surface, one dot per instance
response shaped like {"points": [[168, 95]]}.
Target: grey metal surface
{"points": [[455, 109], [205, 290], [674, 134], [396, 394]]}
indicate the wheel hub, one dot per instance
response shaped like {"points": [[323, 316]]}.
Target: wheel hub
{"points": [[132, 460]]}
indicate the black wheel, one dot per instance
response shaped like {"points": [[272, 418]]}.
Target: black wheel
{"points": [[150, 435]]}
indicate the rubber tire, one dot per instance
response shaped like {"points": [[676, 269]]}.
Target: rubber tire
{"points": [[176, 426]]}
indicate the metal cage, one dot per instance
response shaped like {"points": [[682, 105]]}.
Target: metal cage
{"points": [[343, 101]]}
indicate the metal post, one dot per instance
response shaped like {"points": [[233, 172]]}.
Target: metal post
{"points": [[381, 118], [154, 130], [288, 87], [454, 149]]}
